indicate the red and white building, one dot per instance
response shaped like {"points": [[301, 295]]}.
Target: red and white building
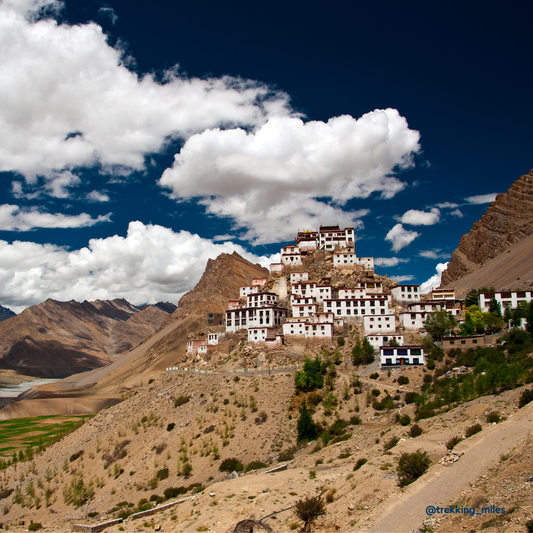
{"points": [[297, 277], [401, 356], [291, 256], [506, 299], [377, 340]]}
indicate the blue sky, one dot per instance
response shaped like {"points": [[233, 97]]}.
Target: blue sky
{"points": [[137, 141]]}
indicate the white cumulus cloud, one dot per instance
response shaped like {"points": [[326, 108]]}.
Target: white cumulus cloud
{"points": [[15, 218], [389, 261], [67, 99], [271, 177], [434, 254], [400, 237], [413, 217], [401, 279], [150, 264], [434, 281], [482, 198]]}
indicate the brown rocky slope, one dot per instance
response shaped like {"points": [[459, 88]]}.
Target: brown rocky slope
{"points": [[57, 339], [507, 221]]}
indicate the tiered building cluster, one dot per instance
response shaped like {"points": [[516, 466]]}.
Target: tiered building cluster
{"points": [[311, 310]]}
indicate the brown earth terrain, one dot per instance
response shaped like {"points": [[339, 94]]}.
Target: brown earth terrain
{"points": [[56, 339], [507, 221]]}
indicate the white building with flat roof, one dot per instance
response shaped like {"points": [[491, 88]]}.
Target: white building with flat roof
{"points": [[506, 299], [379, 324], [401, 356], [406, 293]]}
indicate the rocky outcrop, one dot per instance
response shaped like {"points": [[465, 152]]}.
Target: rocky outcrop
{"points": [[57, 339], [507, 221], [219, 283], [5, 313]]}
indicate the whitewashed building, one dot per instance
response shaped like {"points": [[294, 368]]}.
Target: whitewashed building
{"points": [[297, 277], [357, 307], [291, 256], [308, 329], [379, 324], [276, 267], [506, 299], [377, 340], [248, 317], [406, 293], [331, 236], [401, 356]]}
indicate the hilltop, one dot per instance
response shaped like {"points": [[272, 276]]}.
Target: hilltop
{"points": [[498, 250]]}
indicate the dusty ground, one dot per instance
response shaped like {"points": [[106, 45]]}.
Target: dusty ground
{"points": [[367, 499]]}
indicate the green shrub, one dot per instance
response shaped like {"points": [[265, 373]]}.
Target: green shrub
{"points": [[355, 420], [529, 526], [162, 474], [525, 398], [493, 417], [453, 442], [35, 526], [376, 392], [305, 426], [310, 377], [403, 380], [76, 455], [341, 341], [472, 430], [374, 375], [309, 509], [171, 426], [181, 400], [341, 438], [411, 466], [360, 463], [404, 420], [287, 455], [157, 499], [411, 397], [415, 431], [255, 465], [390, 443], [230, 465]]}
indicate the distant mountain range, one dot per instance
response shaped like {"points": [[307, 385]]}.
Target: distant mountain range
{"points": [[5, 313], [57, 339], [498, 250]]}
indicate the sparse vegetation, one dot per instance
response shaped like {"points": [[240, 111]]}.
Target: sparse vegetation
{"points": [[181, 400], [453, 442], [230, 465], [309, 509], [360, 463], [472, 430], [411, 466]]}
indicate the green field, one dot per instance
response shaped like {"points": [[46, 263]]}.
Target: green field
{"points": [[21, 433]]}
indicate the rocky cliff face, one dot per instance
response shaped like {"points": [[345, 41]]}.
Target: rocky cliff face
{"points": [[56, 339], [219, 283], [508, 220]]}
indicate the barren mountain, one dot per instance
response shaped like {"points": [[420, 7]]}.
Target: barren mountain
{"points": [[5, 313], [57, 339], [507, 221]]}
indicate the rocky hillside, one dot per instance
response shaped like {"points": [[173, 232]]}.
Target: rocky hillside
{"points": [[57, 339], [507, 221], [219, 283]]}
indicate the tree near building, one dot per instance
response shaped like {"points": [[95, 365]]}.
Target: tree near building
{"points": [[362, 353], [439, 324], [305, 426]]}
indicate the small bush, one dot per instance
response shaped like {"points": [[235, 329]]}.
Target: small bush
{"points": [[453, 442], [287, 455], [226, 401], [330, 494], [76, 455], [230, 465], [411, 466], [355, 420], [525, 398], [410, 397], [375, 375], [493, 417], [255, 465], [341, 341], [181, 400], [472, 430], [171, 426], [162, 474], [160, 448], [529, 526], [390, 443], [157, 499], [309, 509], [403, 380], [404, 420], [35, 526], [261, 418], [376, 392], [341, 438], [360, 463]]}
